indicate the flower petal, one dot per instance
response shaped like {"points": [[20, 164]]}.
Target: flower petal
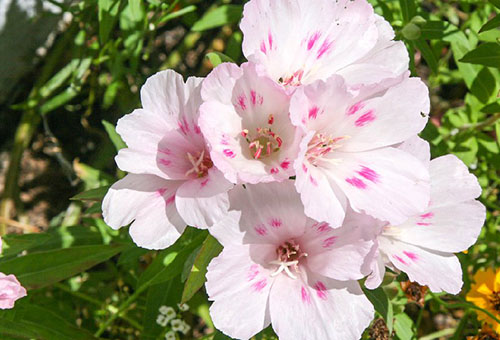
{"points": [[148, 201], [240, 291]]}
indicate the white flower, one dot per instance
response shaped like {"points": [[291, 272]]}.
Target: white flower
{"points": [[162, 320], [183, 307], [177, 325], [167, 310], [170, 335]]}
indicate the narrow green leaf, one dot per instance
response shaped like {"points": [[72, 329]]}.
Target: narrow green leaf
{"points": [[487, 54], [433, 29], [217, 58], [408, 9], [483, 87], [492, 24], [210, 249], [136, 9], [107, 15], [59, 78], [49, 325], [96, 194], [169, 262], [222, 15], [427, 53], [176, 14], [47, 267], [114, 136], [17, 329], [403, 326], [382, 304], [495, 3]]}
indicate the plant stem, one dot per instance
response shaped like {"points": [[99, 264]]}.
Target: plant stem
{"points": [[123, 307]]}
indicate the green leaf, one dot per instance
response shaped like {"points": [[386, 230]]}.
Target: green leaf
{"points": [[54, 238], [169, 262], [47, 324], [433, 30], [408, 9], [210, 249], [107, 15], [492, 24], [17, 329], [47, 267], [483, 87], [495, 3], [114, 136], [166, 293], [176, 14], [217, 58], [382, 304], [136, 11], [403, 326], [487, 54], [96, 194], [428, 54], [222, 15]]}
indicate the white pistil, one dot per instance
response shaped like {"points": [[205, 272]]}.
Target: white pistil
{"points": [[283, 266]]}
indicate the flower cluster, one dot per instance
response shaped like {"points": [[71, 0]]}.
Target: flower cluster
{"points": [[169, 317], [305, 164]]}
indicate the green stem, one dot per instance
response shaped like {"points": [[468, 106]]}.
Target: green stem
{"points": [[118, 313], [476, 126]]}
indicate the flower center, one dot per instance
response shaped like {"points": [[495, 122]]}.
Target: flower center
{"points": [[293, 80], [289, 255], [495, 300], [201, 164], [264, 142], [321, 145]]}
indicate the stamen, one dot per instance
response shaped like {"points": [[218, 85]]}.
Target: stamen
{"points": [[321, 145], [289, 255], [201, 164], [265, 142]]}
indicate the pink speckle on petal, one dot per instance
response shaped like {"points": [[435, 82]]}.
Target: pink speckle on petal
{"points": [[270, 40], [170, 200], [161, 191], [365, 119], [355, 108], [285, 164], [165, 162], [242, 102], [253, 97], [224, 139], [263, 47], [411, 255], [275, 171], [312, 40], [320, 290], [313, 181], [424, 224], [368, 173], [253, 272], [356, 182], [165, 151], [275, 222], [323, 226], [313, 112], [427, 215], [205, 182], [304, 168], [261, 230], [229, 153], [327, 243], [306, 298], [400, 259], [197, 129], [325, 48], [260, 285]]}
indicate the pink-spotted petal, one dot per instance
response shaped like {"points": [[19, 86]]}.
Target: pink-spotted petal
{"points": [[270, 213], [318, 308], [391, 117], [240, 290], [298, 42], [149, 203], [387, 183], [437, 270]]}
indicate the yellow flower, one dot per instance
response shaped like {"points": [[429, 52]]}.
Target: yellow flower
{"points": [[485, 293]]}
